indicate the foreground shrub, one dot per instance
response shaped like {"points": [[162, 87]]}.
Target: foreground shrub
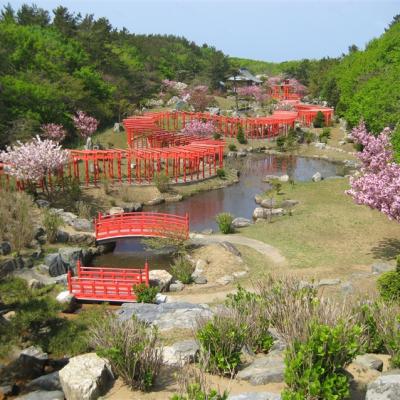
{"points": [[182, 269], [251, 305], [240, 135], [221, 340], [52, 222], [161, 180], [319, 120], [132, 348], [224, 221], [315, 367], [325, 135], [221, 173], [217, 136], [145, 294], [232, 147], [389, 284]]}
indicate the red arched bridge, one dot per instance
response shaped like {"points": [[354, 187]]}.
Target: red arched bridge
{"points": [[106, 284], [141, 224]]}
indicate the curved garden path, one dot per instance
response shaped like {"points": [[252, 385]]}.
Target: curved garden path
{"points": [[272, 253]]}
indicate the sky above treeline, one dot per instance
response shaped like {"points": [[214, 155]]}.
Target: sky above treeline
{"points": [[270, 30]]}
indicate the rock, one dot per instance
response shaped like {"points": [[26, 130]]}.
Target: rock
{"points": [[70, 256], [86, 377], [132, 207], [240, 274], [116, 210], [9, 315], [155, 202], [225, 280], [160, 298], [265, 369], [255, 396], [82, 238], [173, 199], [61, 279], [269, 178], [82, 225], [317, 177], [386, 387], [43, 203], [43, 269], [200, 280], [258, 198], [43, 395], [329, 282], [160, 278], [241, 153], [379, 268], [5, 248], [177, 286], [284, 178], [7, 267], [347, 287], [342, 142], [67, 300], [289, 203], [55, 264], [320, 146], [35, 284], [231, 248], [6, 390], [231, 154], [68, 217], [370, 361], [207, 232], [45, 382], [268, 203], [259, 212], [31, 362], [176, 315], [50, 258], [181, 353], [241, 222], [62, 236]]}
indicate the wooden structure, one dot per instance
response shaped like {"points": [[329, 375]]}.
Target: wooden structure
{"points": [[106, 284], [142, 224]]}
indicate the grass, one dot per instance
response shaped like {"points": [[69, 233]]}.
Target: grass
{"points": [[327, 230], [108, 137]]}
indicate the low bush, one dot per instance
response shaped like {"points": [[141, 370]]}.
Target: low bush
{"points": [[319, 120], [182, 269], [52, 222], [83, 209], [145, 294], [161, 180], [132, 348], [389, 284], [308, 137], [280, 143], [315, 367], [232, 147], [325, 135], [221, 173], [217, 136], [195, 392], [221, 340], [241, 138], [224, 221]]}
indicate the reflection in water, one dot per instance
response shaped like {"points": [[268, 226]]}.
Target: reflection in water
{"points": [[237, 199]]}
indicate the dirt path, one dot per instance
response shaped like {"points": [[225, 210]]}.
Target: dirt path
{"points": [[272, 253]]}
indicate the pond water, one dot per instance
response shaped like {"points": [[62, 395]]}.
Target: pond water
{"points": [[237, 199]]}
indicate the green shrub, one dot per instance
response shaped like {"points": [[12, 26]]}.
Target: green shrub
{"points": [[232, 147], [132, 348], [276, 185], [52, 222], [221, 340], [217, 136], [315, 367], [240, 135], [224, 221], [319, 120], [182, 269], [161, 180], [389, 286], [325, 135], [145, 294], [83, 209], [221, 173], [280, 143], [195, 392], [308, 137]]}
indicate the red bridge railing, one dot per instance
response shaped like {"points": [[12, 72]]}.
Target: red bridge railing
{"points": [[106, 284], [142, 224]]}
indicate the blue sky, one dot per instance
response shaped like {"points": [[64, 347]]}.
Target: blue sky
{"points": [[272, 30]]}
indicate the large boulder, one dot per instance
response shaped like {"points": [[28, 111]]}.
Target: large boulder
{"points": [[82, 225], [160, 278], [259, 212], [241, 222], [116, 210], [181, 353], [266, 369], [86, 377], [47, 382], [268, 203], [255, 396], [31, 362], [7, 266], [43, 395], [386, 387], [370, 361], [70, 256], [67, 301], [317, 177], [5, 248], [177, 315]]}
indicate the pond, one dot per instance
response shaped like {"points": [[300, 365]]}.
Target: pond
{"points": [[237, 199]]}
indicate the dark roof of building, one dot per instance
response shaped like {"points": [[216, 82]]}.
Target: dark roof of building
{"points": [[245, 75]]}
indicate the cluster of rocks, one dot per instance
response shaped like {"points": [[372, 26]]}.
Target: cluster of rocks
{"points": [[240, 153], [268, 207]]}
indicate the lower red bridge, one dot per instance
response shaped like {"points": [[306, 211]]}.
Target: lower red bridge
{"points": [[141, 224], [106, 284]]}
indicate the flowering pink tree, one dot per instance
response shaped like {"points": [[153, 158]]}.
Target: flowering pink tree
{"points": [[199, 98], [253, 92], [378, 185], [201, 128], [34, 161], [284, 106], [54, 132], [85, 124]]}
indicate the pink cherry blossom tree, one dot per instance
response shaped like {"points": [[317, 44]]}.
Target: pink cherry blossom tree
{"points": [[198, 97], [85, 124], [34, 161], [54, 132], [378, 184], [201, 128], [253, 92]]}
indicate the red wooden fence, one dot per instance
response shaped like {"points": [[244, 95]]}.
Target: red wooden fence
{"points": [[145, 224], [106, 284]]}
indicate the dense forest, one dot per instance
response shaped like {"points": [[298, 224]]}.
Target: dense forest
{"points": [[54, 65]]}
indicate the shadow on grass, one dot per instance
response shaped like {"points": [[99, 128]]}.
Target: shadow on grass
{"points": [[386, 249]]}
